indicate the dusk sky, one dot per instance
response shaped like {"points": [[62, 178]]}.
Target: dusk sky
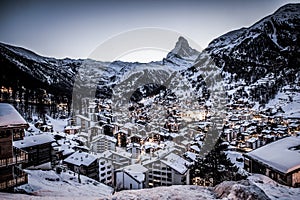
{"points": [[75, 28]]}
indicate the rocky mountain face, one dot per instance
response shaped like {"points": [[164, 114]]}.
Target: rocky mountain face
{"points": [[21, 67], [268, 46], [257, 61], [28, 79]]}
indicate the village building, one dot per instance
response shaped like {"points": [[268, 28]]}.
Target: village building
{"points": [[279, 160], [12, 127], [118, 159], [101, 143], [134, 149], [168, 170], [72, 130], [106, 170], [131, 177], [37, 147], [83, 122], [83, 163]]}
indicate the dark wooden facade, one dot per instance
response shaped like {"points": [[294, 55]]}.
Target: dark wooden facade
{"points": [[254, 166], [90, 170], [11, 162], [38, 152]]}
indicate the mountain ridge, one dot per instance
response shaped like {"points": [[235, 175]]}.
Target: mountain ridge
{"points": [[247, 54]]}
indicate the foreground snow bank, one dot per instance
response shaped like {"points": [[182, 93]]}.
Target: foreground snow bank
{"points": [[240, 190], [173, 192], [273, 189], [49, 185]]}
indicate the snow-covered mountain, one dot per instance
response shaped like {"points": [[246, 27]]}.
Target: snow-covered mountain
{"points": [[21, 67], [270, 47], [182, 50], [256, 62]]}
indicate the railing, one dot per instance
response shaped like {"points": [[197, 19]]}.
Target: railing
{"points": [[7, 161], [21, 157], [18, 158], [14, 182]]}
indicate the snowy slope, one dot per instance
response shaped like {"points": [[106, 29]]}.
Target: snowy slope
{"points": [[51, 185]]}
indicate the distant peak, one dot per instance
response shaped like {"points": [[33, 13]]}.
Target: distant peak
{"points": [[181, 43], [183, 50]]}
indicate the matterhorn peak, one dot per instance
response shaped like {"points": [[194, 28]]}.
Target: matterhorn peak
{"points": [[183, 50]]}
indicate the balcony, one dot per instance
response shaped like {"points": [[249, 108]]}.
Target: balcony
{"points": [[20, 156], [20, 180], [6, 162]]}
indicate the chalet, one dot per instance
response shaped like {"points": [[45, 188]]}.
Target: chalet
{"points": [[279, 160], [37, 147], [135, 138], [131, 177], [83, 163], [12, 127], [101, 143], [168, 170], [109, 129]]}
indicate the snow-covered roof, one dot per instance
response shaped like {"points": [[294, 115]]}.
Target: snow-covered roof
{"points": [[279, 155], [104, 137], [109, 153], [251, 140], [195, 148], [191, 155], [83, 117], [33, 141], [9, 116], [72, 127], [176, 162], [136, 171], [80, 158]]}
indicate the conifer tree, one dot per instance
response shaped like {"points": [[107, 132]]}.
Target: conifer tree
{"points": [[215, 167]]}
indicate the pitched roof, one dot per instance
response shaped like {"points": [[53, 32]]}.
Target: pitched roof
{"points": [[33, 141], [9, 116], [136, 171], [282, 155], [80, 158], [176, 162]]}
